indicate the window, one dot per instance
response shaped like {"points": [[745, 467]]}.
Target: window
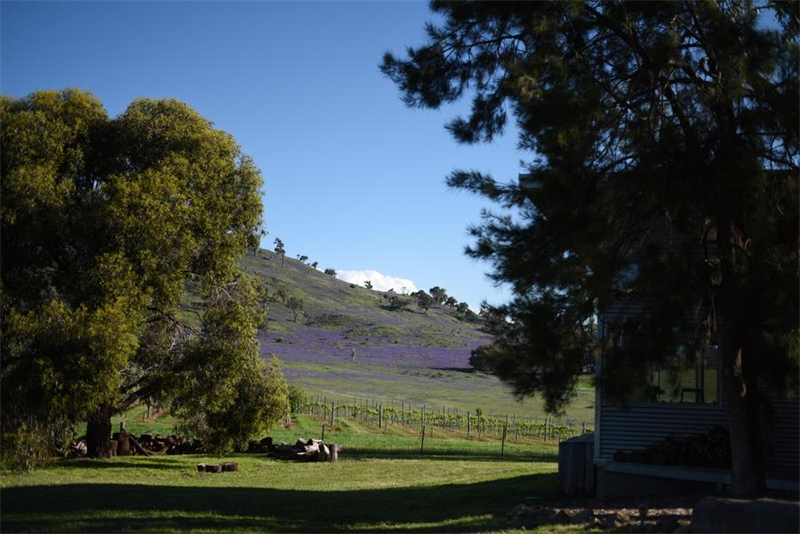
{"points": [[687, 378]]}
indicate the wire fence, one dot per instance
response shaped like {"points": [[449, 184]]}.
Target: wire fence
{"points": [[475, 424]]}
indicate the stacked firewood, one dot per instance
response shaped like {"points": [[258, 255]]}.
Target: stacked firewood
{"points": [[703, 450], [126, 444], [263, 446], [172, 444]]}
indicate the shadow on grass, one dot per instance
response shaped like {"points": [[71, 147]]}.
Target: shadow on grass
{"points": [[457, 455], [466, 370], [153, 462], [117, 507]]}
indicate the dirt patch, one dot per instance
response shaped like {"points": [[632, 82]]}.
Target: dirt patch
{"points": [[660, 514]]}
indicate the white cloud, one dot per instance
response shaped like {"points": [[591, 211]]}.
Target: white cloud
{"points": [[381, 282]]}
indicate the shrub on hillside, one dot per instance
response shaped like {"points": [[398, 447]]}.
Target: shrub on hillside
{"points": [[482, 357]]}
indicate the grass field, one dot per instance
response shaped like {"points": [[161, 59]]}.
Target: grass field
{"points": [[381, 483], [407, 356]]}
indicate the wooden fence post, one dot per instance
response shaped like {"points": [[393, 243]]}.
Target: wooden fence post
{"points": [[380, 416], [422, 443], [503, 445], [333, 412], [323, 433], [468, 425]]}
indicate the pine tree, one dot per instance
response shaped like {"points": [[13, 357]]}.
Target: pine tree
{"points": [[663, 142]]}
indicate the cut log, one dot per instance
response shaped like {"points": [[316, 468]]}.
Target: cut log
{"points": [[213, 468], [201, 468], [138, 448], [229, 466], [324, 453]]}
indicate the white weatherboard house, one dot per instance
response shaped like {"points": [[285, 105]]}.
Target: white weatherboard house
{"points": [[625, 435], [695, 408]]}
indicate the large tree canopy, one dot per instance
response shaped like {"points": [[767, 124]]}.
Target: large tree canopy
{"points": [[663, 173], [104, 223]]}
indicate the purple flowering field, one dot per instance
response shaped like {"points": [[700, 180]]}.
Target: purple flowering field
{"points": [[400, 355]]}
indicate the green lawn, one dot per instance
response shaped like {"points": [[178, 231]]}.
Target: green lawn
{"points": [[381, 483]]}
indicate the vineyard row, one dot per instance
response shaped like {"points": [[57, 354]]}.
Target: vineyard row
{"points": [[476, 423]]}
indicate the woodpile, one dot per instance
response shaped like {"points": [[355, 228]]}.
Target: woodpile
{"points": [[126, 444], [264, 446], [77, 449], [704, 450], [310, 450], [171, 444]]}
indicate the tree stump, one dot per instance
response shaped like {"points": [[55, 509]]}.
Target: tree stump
{"points": [[123, 444], [334, 453]]}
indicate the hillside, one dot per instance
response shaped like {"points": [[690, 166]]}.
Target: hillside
{"points": [[360, 315], [400, 355]]}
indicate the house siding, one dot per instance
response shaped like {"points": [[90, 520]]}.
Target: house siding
{"points": [[786, 455], [636, 426]]}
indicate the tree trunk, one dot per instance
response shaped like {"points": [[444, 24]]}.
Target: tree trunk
{"points": [[98, 433], [739, 375]]}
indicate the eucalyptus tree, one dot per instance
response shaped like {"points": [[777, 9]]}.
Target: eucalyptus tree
{"points": [[296, 304], [439, 295], [105, 224], [424, 300]]}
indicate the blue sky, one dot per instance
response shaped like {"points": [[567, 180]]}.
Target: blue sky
{"points": [[353, 178]]}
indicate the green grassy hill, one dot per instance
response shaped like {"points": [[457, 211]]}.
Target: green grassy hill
{"points": [[401, 356], [361, 314]]}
